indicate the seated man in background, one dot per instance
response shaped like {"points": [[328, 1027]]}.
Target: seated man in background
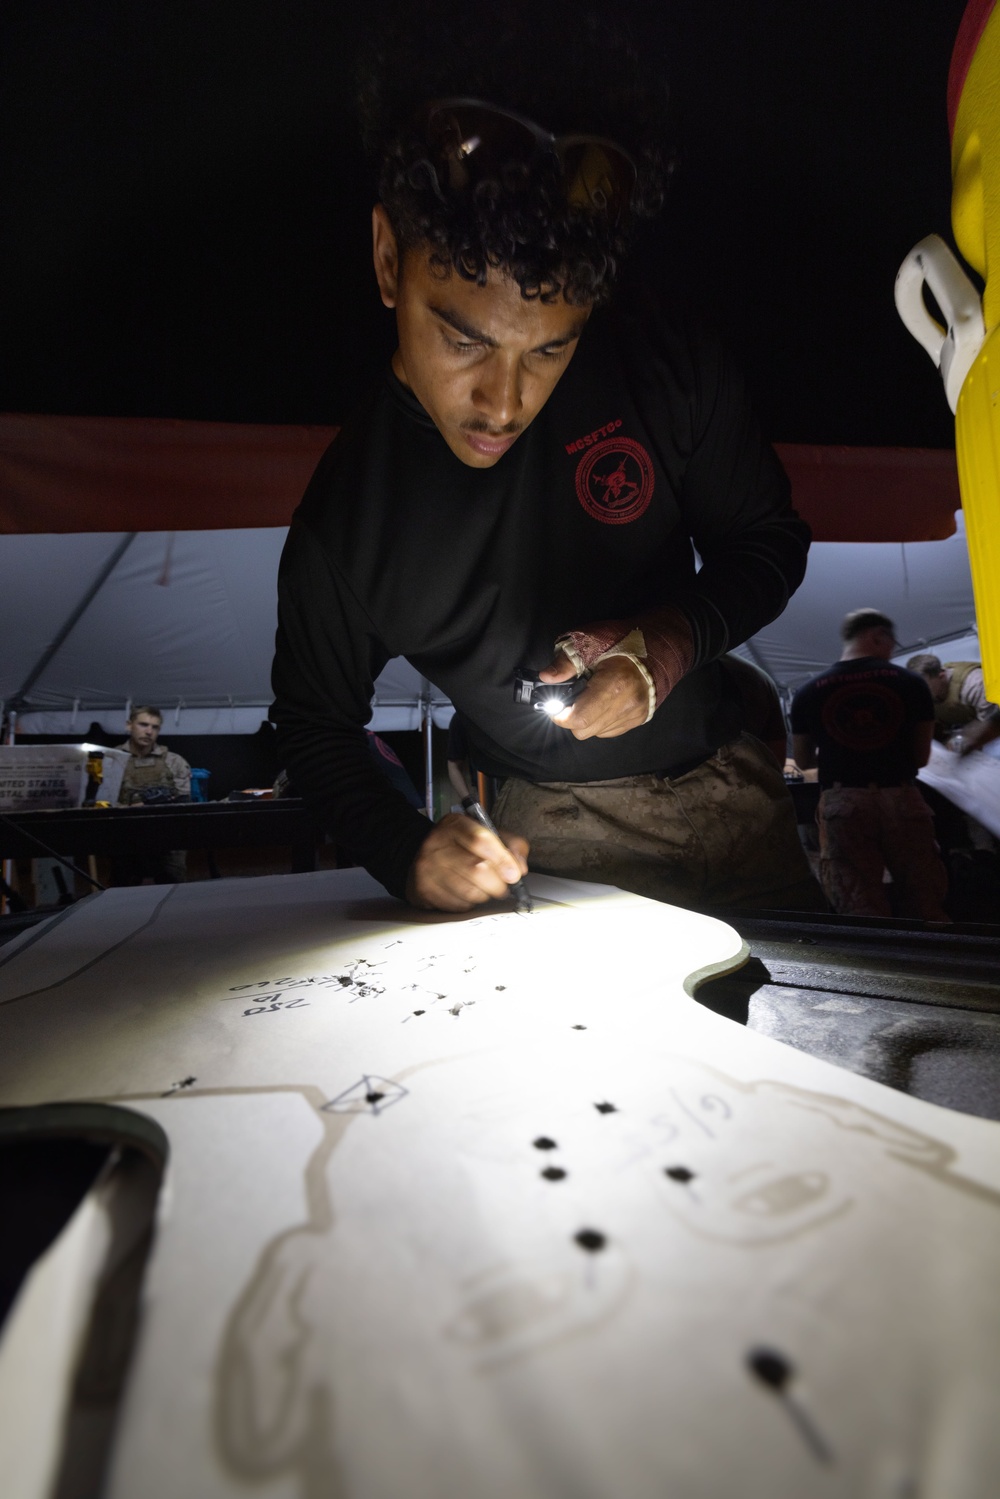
{"points": [[964, 717], [868, 725], [153, 774]]}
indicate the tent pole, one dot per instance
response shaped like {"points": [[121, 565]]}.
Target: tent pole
{"points": [[428, 759], [8, 864], [19, 700]]}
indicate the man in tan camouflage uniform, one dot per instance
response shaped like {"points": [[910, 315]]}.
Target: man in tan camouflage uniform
{"points": [[961, 707], [151, 767]]}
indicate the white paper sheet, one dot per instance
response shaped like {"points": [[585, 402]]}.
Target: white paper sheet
{"points": [[489, 1206]]}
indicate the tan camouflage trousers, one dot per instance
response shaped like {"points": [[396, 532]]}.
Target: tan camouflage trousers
{"points": [[864, 830], [722, 835]]}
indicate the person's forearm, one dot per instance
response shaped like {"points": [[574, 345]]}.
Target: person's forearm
{"points": [[351, 799], [744, 585], [657, 642], [326, 659], [972, 694], [737, 592], [976, 735]]}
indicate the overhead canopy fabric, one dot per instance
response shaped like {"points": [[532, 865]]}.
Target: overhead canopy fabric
{"points": [[87, 474], [186, 622], [185, 616], [924, 587]]}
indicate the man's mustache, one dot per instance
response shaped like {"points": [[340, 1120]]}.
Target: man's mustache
{"points": [[511, 429]]}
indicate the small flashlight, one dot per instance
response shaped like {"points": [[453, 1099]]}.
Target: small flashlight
{"points": [[551, 698]]}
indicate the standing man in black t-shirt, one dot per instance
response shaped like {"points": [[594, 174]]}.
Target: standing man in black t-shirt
{"points": [[868, 726]]}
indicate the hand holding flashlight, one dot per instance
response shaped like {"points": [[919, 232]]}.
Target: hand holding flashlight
{"points": [[614, 700]]}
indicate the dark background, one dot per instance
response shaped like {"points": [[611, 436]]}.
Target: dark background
{"points": [[185, 205]]}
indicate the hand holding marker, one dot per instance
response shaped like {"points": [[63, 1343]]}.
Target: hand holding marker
{"points": [[478, 813]]}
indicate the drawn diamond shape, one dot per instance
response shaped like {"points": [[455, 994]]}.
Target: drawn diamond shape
{"points": [[372, 1095]]}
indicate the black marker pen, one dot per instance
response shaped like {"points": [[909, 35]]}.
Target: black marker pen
{"points": [[478, 813]]}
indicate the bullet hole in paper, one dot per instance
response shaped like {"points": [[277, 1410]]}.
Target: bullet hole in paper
{"points": [[771, 1368], [420, 1012], [606, 1108], [578, 1027], [775, 1371], [591, 1240], [374, 1097], [544, 1143], [554, 1174], [679, 1173]]}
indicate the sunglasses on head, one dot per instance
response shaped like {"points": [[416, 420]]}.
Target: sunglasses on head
{"points": [[473, 141]]}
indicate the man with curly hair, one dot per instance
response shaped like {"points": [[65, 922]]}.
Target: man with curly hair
{"points": [[527, 488]]}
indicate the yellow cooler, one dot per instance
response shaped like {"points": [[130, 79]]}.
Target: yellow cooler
{"points": [[967, 348]]}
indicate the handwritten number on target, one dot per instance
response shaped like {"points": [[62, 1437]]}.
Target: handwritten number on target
{"points": [[276, 1004]]}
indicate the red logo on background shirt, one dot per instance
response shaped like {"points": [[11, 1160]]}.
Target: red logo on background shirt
{"points": [[863, 716], [614, 481]]}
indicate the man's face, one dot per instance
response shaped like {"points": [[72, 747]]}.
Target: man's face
{"points": [[142, 732], [939, 685], [481, 360]]}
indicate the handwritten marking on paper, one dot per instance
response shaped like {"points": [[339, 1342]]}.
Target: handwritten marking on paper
{"points": [[423, 980], [317, 980], [185, 1082], [359, 979], [277, 1002], [710, 1104], [360, 976], [372, 1095]]}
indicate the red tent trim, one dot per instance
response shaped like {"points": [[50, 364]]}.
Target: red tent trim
{"points": [[87, 473], [95, 473], [874, 494]]}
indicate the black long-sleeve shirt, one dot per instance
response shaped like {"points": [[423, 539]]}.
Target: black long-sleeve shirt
{"points": [[646, 450]]}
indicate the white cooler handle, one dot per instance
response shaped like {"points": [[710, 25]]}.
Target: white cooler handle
{"points": [[953, 348]]}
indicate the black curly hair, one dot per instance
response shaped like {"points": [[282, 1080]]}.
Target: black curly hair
{"points": [[561, 66]]}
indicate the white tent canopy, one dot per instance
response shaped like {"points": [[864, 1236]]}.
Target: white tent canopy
{"points": [[924, 586], [186, 620]]}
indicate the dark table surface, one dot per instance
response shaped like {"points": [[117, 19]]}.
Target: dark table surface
{"points": [[158, 829]]}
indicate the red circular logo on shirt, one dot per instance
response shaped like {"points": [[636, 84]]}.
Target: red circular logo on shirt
{"points": [[614, 481], [863, 716]]}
